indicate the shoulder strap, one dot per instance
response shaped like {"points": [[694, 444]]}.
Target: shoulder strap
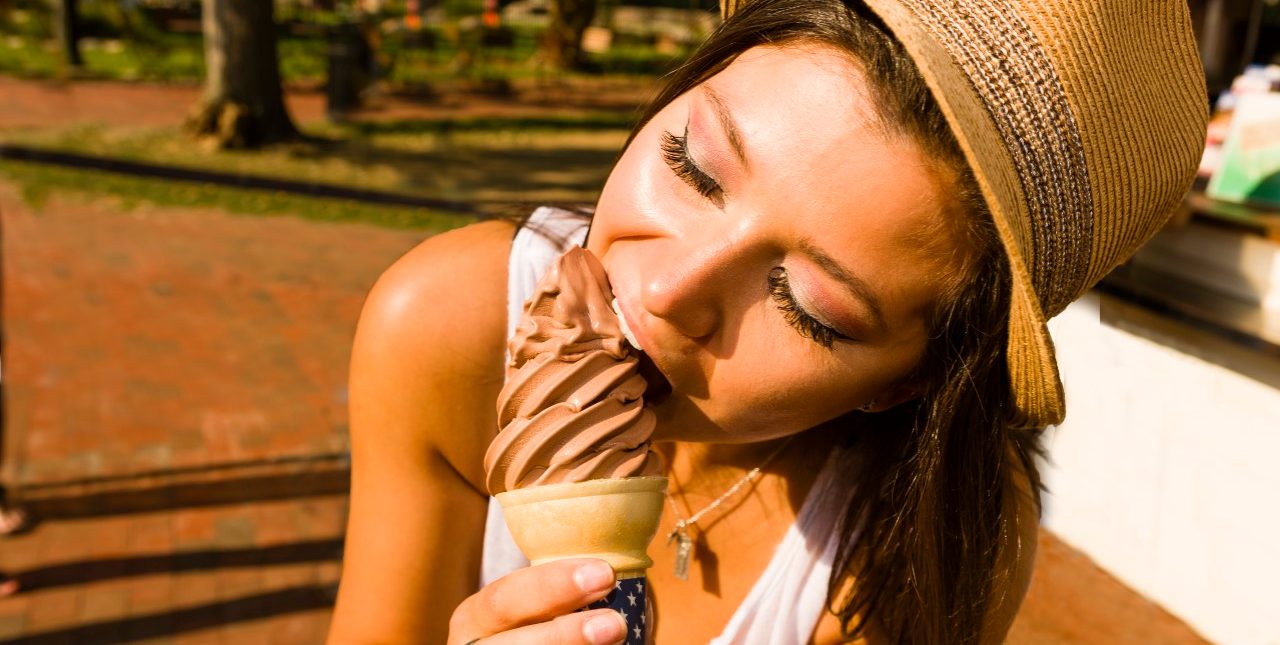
{"points": [[545, 235]]}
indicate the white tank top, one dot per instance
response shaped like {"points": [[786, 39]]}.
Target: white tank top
{"points": [[784, 606]]}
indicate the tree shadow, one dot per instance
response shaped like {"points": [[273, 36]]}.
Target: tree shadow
{"points": [[86, 571], [126, 630], [482, 160], [593, 123], [458, 172], [192, 495]]}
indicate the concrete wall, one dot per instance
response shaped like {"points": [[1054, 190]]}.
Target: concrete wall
{"points": [[1165, 471]]}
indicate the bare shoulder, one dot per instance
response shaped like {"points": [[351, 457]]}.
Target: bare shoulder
{"points": [[426, 367], [446, 278], [430, 344]]}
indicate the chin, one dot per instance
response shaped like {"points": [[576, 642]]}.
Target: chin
{"points": [[680, 419]]}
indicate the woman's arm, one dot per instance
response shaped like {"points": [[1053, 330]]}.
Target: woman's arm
{"points": [[426, 367]]}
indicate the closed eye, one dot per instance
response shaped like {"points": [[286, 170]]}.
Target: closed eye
{"points": [[803, 322], [675, 151]]}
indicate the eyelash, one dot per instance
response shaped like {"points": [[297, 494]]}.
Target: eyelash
{"points": [[796, 316], [675, 151]]}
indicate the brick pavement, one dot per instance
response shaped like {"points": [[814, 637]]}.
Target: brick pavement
{"points": [[203, 337], [260, 572], [176, 410]]}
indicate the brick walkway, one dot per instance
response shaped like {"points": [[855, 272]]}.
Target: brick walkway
{"points": [[175, 410]]}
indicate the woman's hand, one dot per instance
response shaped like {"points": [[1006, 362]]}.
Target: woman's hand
{"points": [[536, 605]]}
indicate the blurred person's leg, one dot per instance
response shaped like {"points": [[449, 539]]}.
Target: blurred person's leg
{"points": [[9, 585], [13, 520]]}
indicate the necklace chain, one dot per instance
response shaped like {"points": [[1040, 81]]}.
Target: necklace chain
{"points": [[680, 535]]}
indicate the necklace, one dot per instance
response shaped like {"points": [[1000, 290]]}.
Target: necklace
{"points": [[680, 535]]}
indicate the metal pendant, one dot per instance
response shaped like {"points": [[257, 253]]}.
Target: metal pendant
{"points": [[684, 549]]}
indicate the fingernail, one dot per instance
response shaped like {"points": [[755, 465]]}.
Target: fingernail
{"points": [[593, 577], [605, 629]]}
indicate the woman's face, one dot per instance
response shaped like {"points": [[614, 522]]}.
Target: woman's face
{"points": [[774, 248]]}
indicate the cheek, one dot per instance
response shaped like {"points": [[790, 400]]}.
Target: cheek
{"points": [[626, 198], [641, 197], [791, 387], [776, 396], [623, 189]]}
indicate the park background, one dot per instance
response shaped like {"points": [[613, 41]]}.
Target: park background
{"points": [[188, 233]]}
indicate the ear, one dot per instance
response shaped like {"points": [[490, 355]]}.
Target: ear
{"points": [[895, 396]]}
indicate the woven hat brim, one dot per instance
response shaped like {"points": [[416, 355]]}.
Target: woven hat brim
{"points": [[1033, 370]]}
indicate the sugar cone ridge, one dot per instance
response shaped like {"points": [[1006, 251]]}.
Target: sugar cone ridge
{"points": [[610, 519]]}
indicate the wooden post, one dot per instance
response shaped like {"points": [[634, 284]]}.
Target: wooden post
{"points": [[69, 32]]}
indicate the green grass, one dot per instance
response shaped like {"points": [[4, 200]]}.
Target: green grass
{"points": [[172, 58], [167, 57], [27, 58], [533, 125], [38, 182]]}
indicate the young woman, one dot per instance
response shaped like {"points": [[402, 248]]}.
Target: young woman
{"points": [[836, 234]]}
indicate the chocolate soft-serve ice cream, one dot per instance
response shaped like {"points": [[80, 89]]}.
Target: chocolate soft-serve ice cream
{"points": [[572, 464], [573, 408]]}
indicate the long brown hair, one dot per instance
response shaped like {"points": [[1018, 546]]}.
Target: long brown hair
{"points": [[926, 509]]}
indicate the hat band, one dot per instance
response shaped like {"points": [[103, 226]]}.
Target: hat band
{"points": [[1025, 98]]}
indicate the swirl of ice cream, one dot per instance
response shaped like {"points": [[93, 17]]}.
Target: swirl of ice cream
{"points": [[572, 408]]}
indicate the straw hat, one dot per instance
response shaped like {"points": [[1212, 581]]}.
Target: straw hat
{"points": [[1083, 121]]}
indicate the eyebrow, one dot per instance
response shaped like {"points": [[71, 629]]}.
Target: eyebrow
{"points": [[727, 123], [858, 286]]}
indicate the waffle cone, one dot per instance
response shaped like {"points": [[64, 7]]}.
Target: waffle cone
{"points": [[610, 519]]}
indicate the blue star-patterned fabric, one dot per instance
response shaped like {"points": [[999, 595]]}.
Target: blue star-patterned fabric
{"points": [[628, 598]]}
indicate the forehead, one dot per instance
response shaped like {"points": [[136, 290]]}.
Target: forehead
{"points": [[804, 109], [800, 80], [820, 153]]}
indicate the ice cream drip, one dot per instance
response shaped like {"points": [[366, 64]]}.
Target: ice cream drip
{"points": [[572, 408]]}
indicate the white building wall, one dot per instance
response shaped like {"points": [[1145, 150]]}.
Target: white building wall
{"points": [[1165, 471]]}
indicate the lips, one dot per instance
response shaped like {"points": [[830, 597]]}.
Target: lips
{"points": [[622, 323], [659, 386], [635, 335]]}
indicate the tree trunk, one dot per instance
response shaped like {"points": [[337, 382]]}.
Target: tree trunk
{"points": [[562, 42], [243, 102], [69, 32]]}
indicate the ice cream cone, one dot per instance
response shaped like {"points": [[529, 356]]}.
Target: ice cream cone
{"points": [[610, 519]]}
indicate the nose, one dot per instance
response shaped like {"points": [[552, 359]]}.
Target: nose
{"points": [[689, 286]]}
